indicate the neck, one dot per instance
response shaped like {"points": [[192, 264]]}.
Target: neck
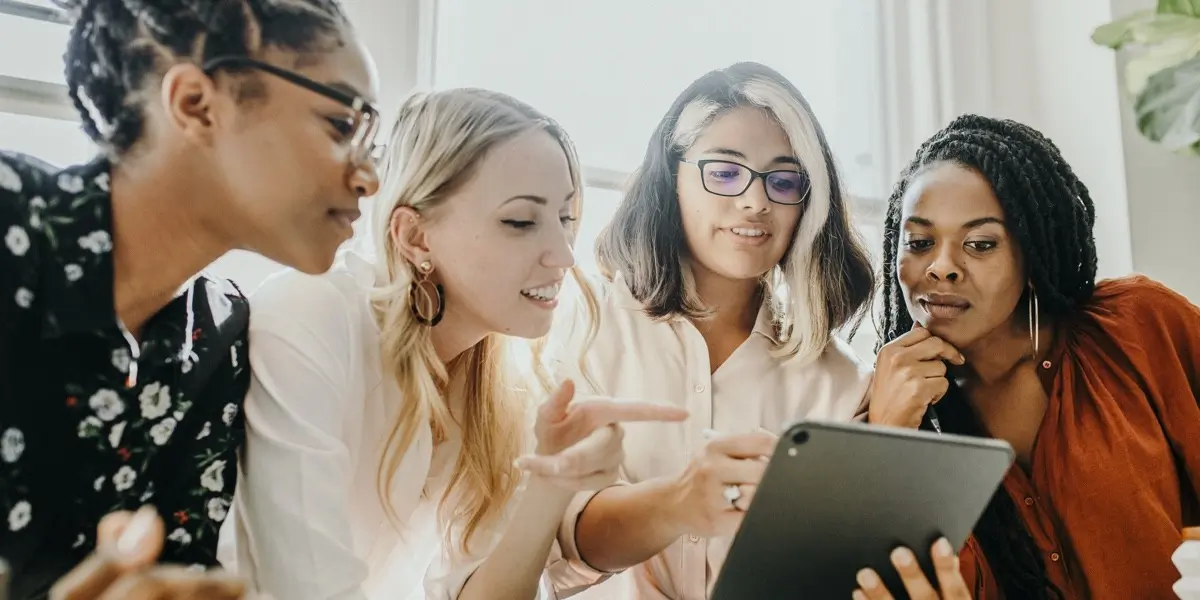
{"points": [[454, 335], [735, 302], [996, 356], [162, 236]]}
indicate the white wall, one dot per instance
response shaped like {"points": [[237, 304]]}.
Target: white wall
{"points": [[1043, 69]]}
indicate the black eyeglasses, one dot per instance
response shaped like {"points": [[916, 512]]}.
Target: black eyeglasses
{"points": [[730, 179], [363, 148]]}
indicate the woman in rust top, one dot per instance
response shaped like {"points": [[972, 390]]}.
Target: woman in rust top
{"points": [[992, 312]]}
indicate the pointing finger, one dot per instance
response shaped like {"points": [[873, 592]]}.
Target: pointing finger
{"points": [[558, 405], [598, 413]]}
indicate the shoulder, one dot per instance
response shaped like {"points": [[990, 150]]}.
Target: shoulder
{"points": [[1138, 302], [842, 363], [23, 176], [331, 308], [22, 183]]}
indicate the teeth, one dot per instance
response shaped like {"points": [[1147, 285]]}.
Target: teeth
{"points": [[748, 232], [546, 292]]}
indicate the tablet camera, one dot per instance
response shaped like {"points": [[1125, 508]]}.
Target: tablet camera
{"points": [[799, 437]]}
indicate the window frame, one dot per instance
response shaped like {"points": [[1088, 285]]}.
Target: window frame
{"points": [[27, 97]]}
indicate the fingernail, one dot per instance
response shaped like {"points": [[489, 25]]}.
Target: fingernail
{"points": [[903, 557], [868, 579], [136, 531], [942, 548], [858, 595]]}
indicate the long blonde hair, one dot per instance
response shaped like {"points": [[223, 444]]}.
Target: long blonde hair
{"points": [[436, 143]]}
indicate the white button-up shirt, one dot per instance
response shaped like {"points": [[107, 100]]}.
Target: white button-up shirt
{"points": [[639, 358], [307, 522]]}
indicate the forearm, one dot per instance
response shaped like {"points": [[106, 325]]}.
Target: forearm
{"points": [[627, 525], [514, 567]]}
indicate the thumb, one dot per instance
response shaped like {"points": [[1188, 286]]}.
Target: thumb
{"points": [[134, 539], [560, 402]]}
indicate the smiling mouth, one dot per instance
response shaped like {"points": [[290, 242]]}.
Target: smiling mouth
{"points": [[750, 232], [545, 293]]}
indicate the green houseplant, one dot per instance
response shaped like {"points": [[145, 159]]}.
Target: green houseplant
{"points": [[1164, 78]]}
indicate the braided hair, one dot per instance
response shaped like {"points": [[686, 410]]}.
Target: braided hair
{"points": [[1050, 213], [116, 45]]}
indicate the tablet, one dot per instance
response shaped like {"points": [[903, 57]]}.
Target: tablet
{"points": [[837, 497]]}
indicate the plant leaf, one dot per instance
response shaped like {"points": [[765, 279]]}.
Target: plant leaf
{"points": [[1146, 28], [1120, 32], [1168, 109], [1189, 8], [1165, 55]]}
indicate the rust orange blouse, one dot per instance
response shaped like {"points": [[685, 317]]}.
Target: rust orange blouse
{"points": [[1116, 465]]}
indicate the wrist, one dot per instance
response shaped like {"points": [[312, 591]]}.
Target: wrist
{"points": [[669, 499], [543, 490]]}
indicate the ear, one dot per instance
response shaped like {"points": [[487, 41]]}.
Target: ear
{"points": [[190, 101], [407, 231]]}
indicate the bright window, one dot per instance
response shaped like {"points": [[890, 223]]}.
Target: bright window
{"points": [[32, 45], [32, 49], [609, 70], [60, 143]]}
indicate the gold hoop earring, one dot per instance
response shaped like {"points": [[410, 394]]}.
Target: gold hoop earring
{"points": [[1035, 328], [427, 298]]}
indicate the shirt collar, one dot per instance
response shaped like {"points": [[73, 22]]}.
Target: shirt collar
{"points": [[764, 323]]}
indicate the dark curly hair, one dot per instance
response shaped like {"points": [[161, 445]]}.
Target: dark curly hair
{"points": [[116, 45], [1050, 213]]}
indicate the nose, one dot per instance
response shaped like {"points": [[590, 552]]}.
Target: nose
{"points": [[945, 266], [561, 254], [364, 180], [754, 199]]}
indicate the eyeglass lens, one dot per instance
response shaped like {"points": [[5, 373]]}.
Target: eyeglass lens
{"points": [[732, 179]]}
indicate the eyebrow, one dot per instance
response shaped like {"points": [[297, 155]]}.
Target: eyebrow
{"points": [[790, 160], [349, 90], [968, 225], [534, 198]]}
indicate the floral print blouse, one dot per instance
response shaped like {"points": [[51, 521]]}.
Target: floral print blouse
{"points": [[92, 420]]}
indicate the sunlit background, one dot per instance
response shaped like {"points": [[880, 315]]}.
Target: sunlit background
{"points": [[881, 76]]}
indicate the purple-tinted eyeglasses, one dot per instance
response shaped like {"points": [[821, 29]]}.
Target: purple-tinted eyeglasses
{"points": [[730, 179]]}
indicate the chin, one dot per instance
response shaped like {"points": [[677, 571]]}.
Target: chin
{"points": [[314, 265], [529, 327]]}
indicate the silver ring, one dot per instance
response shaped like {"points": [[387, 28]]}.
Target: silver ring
{"points": [[732, 493]]}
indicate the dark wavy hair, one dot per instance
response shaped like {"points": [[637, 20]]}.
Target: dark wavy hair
{"points": [[1050, 214], [826, 276], [117, 46]]}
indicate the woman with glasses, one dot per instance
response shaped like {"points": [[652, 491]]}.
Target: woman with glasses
{"points": [[388, 405], [727, 268], [223, 125]]}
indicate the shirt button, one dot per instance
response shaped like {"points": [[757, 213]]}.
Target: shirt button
{"points": [[699, 387], [1045, 364], [1054, 556], [694, 538], [1028, 501]]}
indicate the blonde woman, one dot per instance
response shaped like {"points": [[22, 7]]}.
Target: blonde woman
{"points": [[385, 414], [728, 267]]}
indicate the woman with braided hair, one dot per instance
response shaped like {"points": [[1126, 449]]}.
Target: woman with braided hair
{"points": [[993, 314], [224, 124]]}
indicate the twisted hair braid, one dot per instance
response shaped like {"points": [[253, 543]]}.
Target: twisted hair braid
{"points": [[116, 45]]}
